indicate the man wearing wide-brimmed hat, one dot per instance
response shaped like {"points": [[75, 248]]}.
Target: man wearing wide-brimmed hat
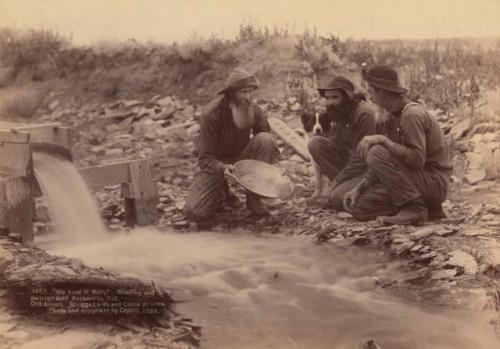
{"points": [[351, 119], [227, 125], [409, 166]]}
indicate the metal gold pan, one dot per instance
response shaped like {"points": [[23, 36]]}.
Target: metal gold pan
{"points": [[263, 179]]}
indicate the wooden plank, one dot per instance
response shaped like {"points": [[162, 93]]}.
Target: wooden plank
{"points": [[25, 127], [14, 137], [112, 174], [15, 159], [53, 135], [290, 137]]}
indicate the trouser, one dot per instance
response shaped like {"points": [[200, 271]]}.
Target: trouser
{"points": [[331, 161], [209, 190], [397, 185], [327, 156]]}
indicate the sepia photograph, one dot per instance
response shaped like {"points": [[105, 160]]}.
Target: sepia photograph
{"points": [[266, 174]]}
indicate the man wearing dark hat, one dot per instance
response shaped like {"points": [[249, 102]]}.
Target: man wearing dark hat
{"points": [[409, 166], [227, 124], [352, 118]]}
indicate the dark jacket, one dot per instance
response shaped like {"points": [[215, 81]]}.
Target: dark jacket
{"points": [[348, 132], [220, 140]]}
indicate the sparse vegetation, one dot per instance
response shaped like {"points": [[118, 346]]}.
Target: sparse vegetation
{"points": [[455, 77]]}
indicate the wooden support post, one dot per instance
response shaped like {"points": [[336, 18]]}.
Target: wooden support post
{"points": [[16, 211], [142, 189]]}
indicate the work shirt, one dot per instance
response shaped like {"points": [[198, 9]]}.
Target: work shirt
{"points": [[220, 140], [348, 132], [424, 146]]}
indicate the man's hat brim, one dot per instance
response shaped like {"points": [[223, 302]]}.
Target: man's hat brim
{"points": [[384, 84]]}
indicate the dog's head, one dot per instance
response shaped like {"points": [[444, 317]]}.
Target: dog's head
{"points": [[315, 123]]}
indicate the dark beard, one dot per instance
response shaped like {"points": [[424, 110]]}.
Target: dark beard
{"points": [[243, 115], [340, 112]]}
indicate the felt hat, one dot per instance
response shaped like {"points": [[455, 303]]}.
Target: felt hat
{"points": [[338, 83], [239, 78], [384, 77]]}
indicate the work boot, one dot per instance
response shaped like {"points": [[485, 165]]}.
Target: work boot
{"points": [[413, 212], [255, 206], [436, 212]]}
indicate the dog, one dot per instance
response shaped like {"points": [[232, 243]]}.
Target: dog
{"points": [[314, 125]]}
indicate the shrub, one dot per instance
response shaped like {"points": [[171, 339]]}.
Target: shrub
{"points": [[17, 103]]}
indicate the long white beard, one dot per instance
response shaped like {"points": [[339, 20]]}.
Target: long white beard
{"points": [[243, 115]]}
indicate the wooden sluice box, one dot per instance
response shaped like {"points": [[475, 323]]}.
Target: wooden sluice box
{"points": [[18, 186]]}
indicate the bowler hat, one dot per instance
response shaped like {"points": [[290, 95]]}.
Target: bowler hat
{"points": [[384, 77], [339, 83], [239, 78]]}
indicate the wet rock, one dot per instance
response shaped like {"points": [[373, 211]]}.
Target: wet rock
{"points": [[344, 215], [421, 234], [443, 274], [463, 260], [426, 257], [416, 248], [401, 248], [445, 232]]}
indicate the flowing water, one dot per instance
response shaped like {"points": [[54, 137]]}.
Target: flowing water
{"points": [[259, 291], [73, 211]]}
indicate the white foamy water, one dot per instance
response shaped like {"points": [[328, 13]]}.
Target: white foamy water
{"points": [[72, 209], [258, 291]]}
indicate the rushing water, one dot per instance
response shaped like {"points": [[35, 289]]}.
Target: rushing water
{"points": [[259, 291], [73, 211]]}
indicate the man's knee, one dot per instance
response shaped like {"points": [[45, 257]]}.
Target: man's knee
{"points": [[362, 213], [265, 140], [376, 154], [315, 145]]}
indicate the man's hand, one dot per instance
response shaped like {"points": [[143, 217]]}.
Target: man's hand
{"points": [[229, 170], [369, 141], [351, 198]]}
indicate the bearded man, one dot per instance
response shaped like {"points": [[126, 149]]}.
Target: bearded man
{"points": [[351, 118], [227, 124]]}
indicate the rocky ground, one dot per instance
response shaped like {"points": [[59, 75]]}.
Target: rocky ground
{"points": [[461, 252]]}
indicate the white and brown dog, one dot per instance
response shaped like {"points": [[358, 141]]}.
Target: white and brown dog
{"points": [[314, 125]]}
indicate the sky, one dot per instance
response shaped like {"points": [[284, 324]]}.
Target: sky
{"points": [[88, 21]]}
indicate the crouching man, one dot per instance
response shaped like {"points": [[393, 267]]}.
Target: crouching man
{"points": [[409, 167], [351, 119], [226, 125]]}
